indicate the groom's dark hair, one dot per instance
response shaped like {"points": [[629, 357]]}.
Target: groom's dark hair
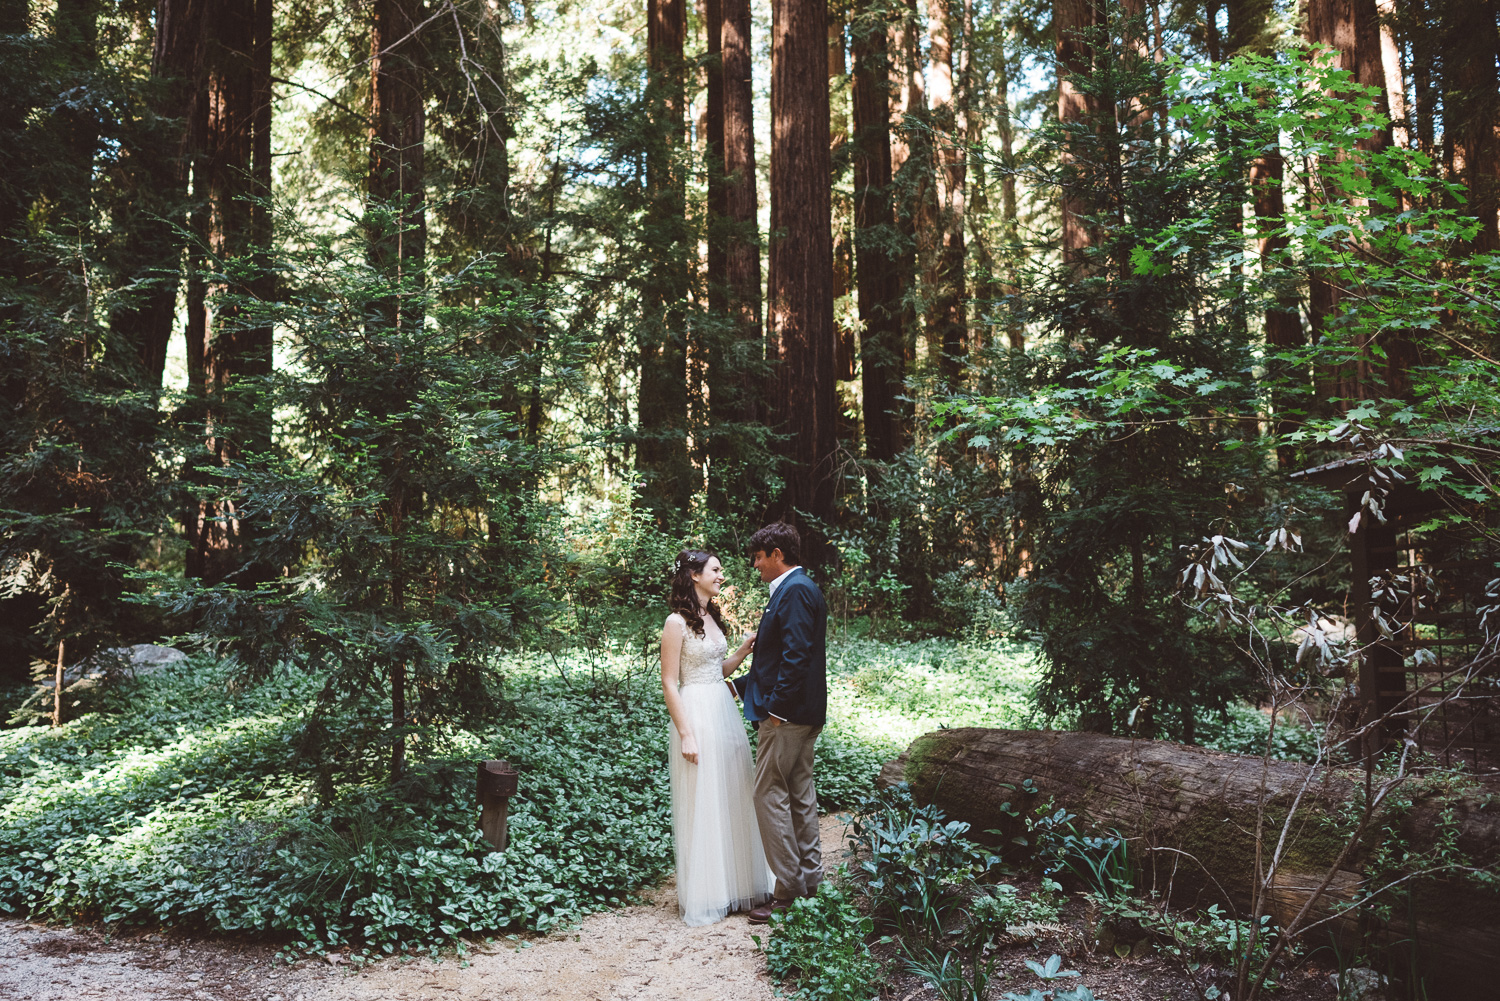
{"points": [[777, 536]]}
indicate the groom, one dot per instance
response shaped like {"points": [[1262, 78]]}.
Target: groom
{"points": [[786, 699]]}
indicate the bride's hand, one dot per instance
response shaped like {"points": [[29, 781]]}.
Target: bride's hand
{"points": [[690, 749], [748, 643]]}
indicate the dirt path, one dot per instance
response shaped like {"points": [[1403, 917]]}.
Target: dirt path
{"points": [[640, 953]]}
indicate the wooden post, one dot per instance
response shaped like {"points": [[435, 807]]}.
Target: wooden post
{"points": [[496, 785]]}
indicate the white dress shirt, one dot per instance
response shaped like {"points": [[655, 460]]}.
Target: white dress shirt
{"points": [[777, 583]]}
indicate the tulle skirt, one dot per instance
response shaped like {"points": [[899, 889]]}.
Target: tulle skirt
{"points": [[721, 866]]}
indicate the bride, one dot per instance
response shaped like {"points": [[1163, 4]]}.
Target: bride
{"points": [[721, 866]]}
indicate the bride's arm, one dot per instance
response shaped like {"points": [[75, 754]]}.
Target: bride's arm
{"points": [[671, 666], [734, 660]]}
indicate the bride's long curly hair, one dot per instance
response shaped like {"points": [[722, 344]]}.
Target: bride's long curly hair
{"points": [[684, 598]]}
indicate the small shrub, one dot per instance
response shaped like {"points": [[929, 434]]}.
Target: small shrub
{"points": [[820, 942], [1044, 907], [914, 863], [991, 911]]}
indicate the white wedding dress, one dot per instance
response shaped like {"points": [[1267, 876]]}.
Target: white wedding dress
{"points": [[721, 866]]}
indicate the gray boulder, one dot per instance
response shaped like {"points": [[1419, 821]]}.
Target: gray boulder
{"points": [[121, 661]]}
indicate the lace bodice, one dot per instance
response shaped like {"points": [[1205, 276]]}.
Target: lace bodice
{"points": [[703, 659]]}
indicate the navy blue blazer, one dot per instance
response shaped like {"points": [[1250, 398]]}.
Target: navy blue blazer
{"points": [[788, 677]]}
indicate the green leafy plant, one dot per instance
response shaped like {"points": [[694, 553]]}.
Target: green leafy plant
{"points": [[1051, 968], [1078, 993], [990, 911], [914, 863], [1044, 907], [1101, 862], [820, 944]]}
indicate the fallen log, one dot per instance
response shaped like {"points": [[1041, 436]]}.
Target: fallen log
{"points": [[1190, 816]]}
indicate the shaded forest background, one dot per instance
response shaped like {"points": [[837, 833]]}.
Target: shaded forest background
{"points": [[377, 336]]}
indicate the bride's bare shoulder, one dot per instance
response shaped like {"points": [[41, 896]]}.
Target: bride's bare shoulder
{"points": [[675, 623]]}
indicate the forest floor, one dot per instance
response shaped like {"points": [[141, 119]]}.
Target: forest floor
{"points": [[641, 953]]}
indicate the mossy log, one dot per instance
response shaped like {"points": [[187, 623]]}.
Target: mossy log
{"points": [[1190, 815]]}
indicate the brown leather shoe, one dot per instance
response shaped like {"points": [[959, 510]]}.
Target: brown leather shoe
{"points": [[762, 914]]}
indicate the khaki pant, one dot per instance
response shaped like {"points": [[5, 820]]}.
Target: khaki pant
{"points": [[786, 807]]}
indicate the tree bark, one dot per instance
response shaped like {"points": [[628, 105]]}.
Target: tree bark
{"points": [[909, 105], [713, 158], [224, 350], [949, 166], [881, 355], [1424, 60], [800, 292], [1072, 19], [1352, 29], [845, 343], [735, 393], [1471, 110], [1250, 33], [1189, 815], [1395, 73], [160, 171], [661, 451]]}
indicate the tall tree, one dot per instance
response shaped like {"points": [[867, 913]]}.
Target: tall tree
{"points": [[226, 351], [398, 248], [800, 288], [946, 317], [1073, 22], [712, 12], [662, 407], [875, 238], [908, 105], [1471, 109], [733, 394], [1250, 33], [160, 166], [845, 346], [1351, 29]]}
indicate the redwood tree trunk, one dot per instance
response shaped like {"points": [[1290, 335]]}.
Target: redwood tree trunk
{"points": [[881, 356], [1190, 816], [948, 170], [161, 168], [1071, 19], [845, 344], [800, 292], [908, 105], [1471, 109], [661, 451], [734, 395], [1352, 29], [1250, 33], [228, 352], [713, 157]]}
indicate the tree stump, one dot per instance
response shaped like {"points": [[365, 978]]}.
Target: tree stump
{"points": [[496, 785], [1190, 816]]}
